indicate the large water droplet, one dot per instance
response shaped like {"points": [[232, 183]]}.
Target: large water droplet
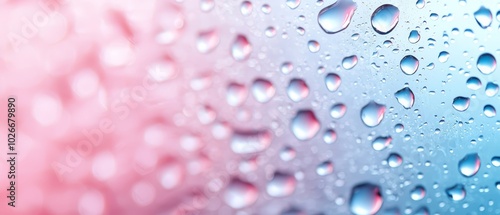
{"points": [[305, 125], [207, 41], [486, 63], [420, 4], [409, 64], [469, 164], [405, 97], [456, 193], [236, 94], [461, 103], [297, 90], [332, 82], [372, 114], [263, 90], [418, 193], [338, 110], [243, 142], [483, 17], [491, 89], [281, 185], [385, 18], [380, 143], [349, 62], [239, 194], [324, 168], [365, 199], [489, 111], [473, 83], [241, 48], [292, 4], [414, 36], [337, 16], [394, 160]]}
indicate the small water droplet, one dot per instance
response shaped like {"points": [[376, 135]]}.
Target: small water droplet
{"points": [[288, 153], [405, 97], [244, 142], [349, 62], [338, 111], [281, 185], [286, 67], [420, 4], [380, 143], [324, 168], [491, 89], [443, 56], [336, 17], [418, 193], [409, 64], [414, 37], [305, 125], [394, 160], [292, 4], [297, 90], [236, 94], [486, 63], [385, 18], [372, 114], [461, 103], [365, 199], [239, 194], [246, 8], [489, 111], [313, 46], [495, 161], [483, 17], [207, 5], [469, 165], [456, 193], [263, 90], [207, 41], [332, 82], [329, 136]]}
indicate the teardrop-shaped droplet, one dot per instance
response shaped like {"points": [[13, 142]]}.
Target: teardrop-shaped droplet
{"points": [[456, 192], [385, 18], [263, 90], [414, 36], [244, 142], [338, 110], [336, 17], [380, 143], [349, 62], [207, 41], [486, 63], [461, 103], [305, 125], [469, 164], [297, 90], [405, 97], [240, 194], [372, 114], [332, 82], [443, 56], [394, 160], [241, 48], [365, 199], [281, 185], [324, 168], [489, 111], [417, 193], [483, 17], [409, 64]]}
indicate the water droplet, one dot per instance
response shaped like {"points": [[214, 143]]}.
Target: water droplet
{"points": [[398, 128], [270, 31], [297, 90], [418, 193], [443, 56], [491, 89], [414, 36], [469, 164], [329, 136], [372, 114], [236, 94], [207, 5], [483, 17], [489, 111], [266, 9], [385, 18], [405, 97], [286, 67], [365, 199], [263, 90], [409, 64], [239, 194], [456, 193], [281, 185], [292, 4], [380, 143], [336, 17], [244, 142], [332, 82], [241, 48], [420, 4], [394, 160], [473, 83], [349, 62], [422, 211], [246, 8], [338, 111], [324, 168], [461, 103], [207, 41], [288, 153], [486, 63], [313, 46], [171, 22], [495, 161], [305, 125]]}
